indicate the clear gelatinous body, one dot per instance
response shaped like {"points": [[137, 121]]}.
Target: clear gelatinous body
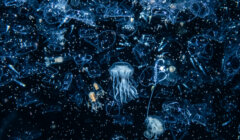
{"points": [[123, 89], [155, 127]]}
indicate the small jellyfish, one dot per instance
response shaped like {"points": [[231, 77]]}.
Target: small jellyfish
{"points": [[98, 89], [55, 11], [123, 89], [112, 108], [16, 3], [199, 119], [200, 9], [154, 127], [94, 103], [81, 15]]}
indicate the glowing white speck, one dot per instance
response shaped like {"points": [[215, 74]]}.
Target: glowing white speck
{"points": [[162, 68]]}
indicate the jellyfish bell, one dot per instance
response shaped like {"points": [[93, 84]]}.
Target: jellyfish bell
{"points": [[123, 89], [122, 69]]}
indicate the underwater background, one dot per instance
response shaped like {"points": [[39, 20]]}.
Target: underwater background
{"points": [[118, 70]]}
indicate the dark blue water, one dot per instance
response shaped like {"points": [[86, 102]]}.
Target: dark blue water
{"points": [[116, 70]]}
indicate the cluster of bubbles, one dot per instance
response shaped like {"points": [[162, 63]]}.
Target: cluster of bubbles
{"points": [[168, 64]]}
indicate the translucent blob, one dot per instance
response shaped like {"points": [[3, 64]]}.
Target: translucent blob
{"points": [[106, 58], [143, 49], [199, 47], [164, 13], [94, 104], [116, 11], [16, 3], [56, 39], [112, 108], [77, 99], [165, 73], [26, 50], [199, 119], [141, 53], [26, 99], [28, 69], [106, 39], [176, 112], [81, 15], [22, 29], [200, 9], [67, 81], [94, 69], [55, 11], [146, 77], [25, 46], [82, 59], [102, 41], [87, 33], [123, 89], [230, 65], [159, 71], [155, 127], [127, 28]]}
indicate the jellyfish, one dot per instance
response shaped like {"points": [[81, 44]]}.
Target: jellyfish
{"points": [[123, 88], [155, 127]]}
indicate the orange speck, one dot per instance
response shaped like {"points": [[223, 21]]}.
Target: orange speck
{"points": [[92, 96]]}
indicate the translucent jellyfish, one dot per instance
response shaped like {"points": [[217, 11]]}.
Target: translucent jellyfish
{"points": [[199, 119], [81, 15], [87, 33], [123, 89], [55, 11], [56, 39], [112, 108], [93, 69], [116, 11], [94, 103], [199, 47], [154, 127], [200, 9], [106, 40], [82, 59], [165, 13], [16, 3], [127, 28]]}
